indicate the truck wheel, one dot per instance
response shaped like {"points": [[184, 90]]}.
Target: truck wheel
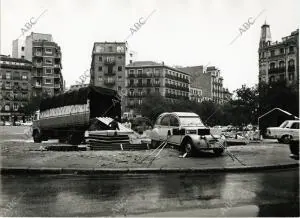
{"points": [[75, 138], [37, 138], [286, 139], [188, 148], [218, 151]]}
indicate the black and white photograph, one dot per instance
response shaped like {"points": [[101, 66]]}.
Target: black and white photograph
{"points": [[149, 108]]}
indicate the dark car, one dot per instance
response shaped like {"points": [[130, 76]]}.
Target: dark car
{"points": [[294, 148]]}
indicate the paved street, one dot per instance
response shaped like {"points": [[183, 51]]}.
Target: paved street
{"points": [[17, 150], [272, 193]]}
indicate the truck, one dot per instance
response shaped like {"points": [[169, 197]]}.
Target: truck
{"points": [[67, 116]]}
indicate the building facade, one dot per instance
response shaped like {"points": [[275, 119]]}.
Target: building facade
{"points": [[209, 80], [108, 65], [18, 48], [196, 94], [78, 86], [147, 77], [278, 60], [45, 56], [15, 80], [216, 84]]}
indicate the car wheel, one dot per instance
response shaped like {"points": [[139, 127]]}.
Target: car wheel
{"points": [[218, 151], [37, 137], [154, 144], [279, 140], [188, 148], [286, 139]]}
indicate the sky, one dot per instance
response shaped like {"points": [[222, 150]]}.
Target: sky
{"points": [[178, 32]]}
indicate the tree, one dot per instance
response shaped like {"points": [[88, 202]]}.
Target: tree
{"points": [[279, 94], [34, 104]]}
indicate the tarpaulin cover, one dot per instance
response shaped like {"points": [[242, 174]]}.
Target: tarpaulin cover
{"points": [[103, 101]]}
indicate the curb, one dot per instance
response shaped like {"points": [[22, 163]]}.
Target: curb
{"points": [[102, 171]]}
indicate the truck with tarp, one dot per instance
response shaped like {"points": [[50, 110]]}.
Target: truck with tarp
{"points": [[67, 116]]}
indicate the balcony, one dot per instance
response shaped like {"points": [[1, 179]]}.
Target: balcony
{"points": [[37, 85], [113, 73], [109, 82], [131, 75], [37, 75], [170, 95], [109, 61], [56, 76], [16, 78], [38, 64]]}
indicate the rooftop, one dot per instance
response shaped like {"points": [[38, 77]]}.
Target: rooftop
{"points": [[19, 60]]}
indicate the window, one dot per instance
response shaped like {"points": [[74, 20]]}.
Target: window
{"points": [[282, 51], [100, 58], [7, 75], [22, 48], [48, 71], [281, 64], [140, 101], [131, 82], [48, 81], [120, 57], [22, 57], [100, 78], [100, 68], [120, 77], [291, 62], [24, 76], [291, 49], [110, 49], [272, 66], [148, 91], [272, 53], [119, 68], [295, 126], [272, 79], [48, 61], [174, 121], [119, 88], [157, 90], [165, 120], [48, 50]]}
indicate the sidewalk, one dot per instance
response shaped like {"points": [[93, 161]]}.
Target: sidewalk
{"points": [[27, 156]]}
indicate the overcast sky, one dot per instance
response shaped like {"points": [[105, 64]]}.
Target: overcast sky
{"points": [[179, 32]]}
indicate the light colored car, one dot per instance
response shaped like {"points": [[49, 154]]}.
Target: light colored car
{"points": [[187, 132], [288, 130]]}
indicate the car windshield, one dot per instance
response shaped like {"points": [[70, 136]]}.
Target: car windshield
{"points": [[284, 124], [191, 121]]}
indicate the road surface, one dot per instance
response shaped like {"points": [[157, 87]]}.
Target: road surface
{"points": [[269, 193]]}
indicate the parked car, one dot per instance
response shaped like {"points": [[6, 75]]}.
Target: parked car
{"points": [[187, 132], [288, 130], [294, 148]]}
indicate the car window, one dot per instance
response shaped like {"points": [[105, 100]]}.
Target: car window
{"points": [[283, 124], [295, 126], [191, 121], [165, 121], [174, 121]]}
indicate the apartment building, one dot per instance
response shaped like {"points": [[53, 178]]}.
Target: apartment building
{"points": [[45, 56], [147, 77], [278, 60], [196, 94], [108, 65], [15, 83]]}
